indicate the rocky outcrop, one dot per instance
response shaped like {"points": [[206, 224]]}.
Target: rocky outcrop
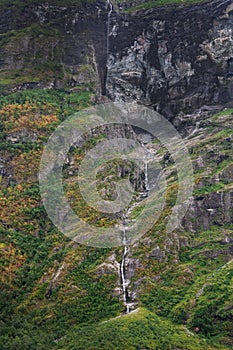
{"points": [[212, 209], [54, 45], [173, 58]]}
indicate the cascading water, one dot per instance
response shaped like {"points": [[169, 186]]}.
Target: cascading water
{"points": [[122, 268], [126, 221], [146, 177], [110, 6]]}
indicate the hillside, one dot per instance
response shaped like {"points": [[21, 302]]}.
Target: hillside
{"points": [[59, 58]]}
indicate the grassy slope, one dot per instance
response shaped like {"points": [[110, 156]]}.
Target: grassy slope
{"points": [[139, 330], [31, 248]]}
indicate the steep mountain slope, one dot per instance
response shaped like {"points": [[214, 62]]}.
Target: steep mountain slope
{"points": [[57, 294], [50, 285]]}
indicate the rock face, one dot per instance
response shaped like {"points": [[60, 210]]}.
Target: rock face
{"points": [[173, 58], [70, 41], [209, 210]]}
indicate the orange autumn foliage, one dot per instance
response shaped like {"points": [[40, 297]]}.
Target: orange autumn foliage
{"points": [[12, 260], [28, 116]]}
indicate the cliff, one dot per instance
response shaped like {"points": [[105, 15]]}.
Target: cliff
{"points": [[173, 58]]}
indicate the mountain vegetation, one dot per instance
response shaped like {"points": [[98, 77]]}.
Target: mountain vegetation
{"points": [[58, 294]]}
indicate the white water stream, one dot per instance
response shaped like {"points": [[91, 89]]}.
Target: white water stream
{"points": [[124, 282], [122, 270], [146, 177], [110, 7], [126, 221]]}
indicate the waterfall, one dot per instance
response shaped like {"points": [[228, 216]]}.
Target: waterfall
{"points": [[122, 267], [125, 221], [110, 7], [146, 178], [108, 26], [147, 159]]}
